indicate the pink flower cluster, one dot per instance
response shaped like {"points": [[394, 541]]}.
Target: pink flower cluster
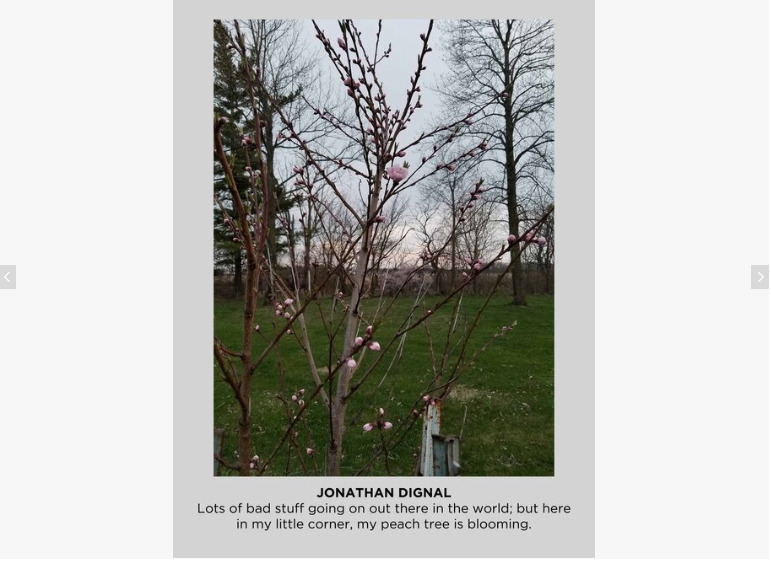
{"points": [[529, 236], [396, 173], [475, 194], [379, 423], [475, 265], [297, 398]]}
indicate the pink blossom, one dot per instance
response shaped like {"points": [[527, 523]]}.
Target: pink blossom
{"points": [[256, 458], [401, 154], [257, 328], [297, 169], [359, 341], [278, 312], [477, 266], [380, 219], [469, 261], [387, 425], [540, 241], [369, 330], [351, 363], [251, 466], [309, 451], [451, 167], [381, 411], [301, 403], [468, 121], [511, 238], [347, 81], [294, 398], [529, 236], [339, 294], [288, 302], [396, 173], [367, 427], [341, 43], [374, 346], [287, 316], [426, 398], [301, 392]]}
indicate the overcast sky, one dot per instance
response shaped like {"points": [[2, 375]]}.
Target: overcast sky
{"points": [[395, 72]]}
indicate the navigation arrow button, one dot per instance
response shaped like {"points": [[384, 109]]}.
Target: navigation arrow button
{"points": [[7, 277], [760, 276]]}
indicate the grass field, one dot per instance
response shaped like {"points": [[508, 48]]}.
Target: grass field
{"points": [[502, 406]]}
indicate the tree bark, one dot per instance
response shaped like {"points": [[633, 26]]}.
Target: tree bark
{"points": [[345, 374], [238, 276], [517, 285]]}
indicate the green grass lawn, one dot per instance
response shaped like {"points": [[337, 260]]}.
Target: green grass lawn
{"points": [[502, 406]]}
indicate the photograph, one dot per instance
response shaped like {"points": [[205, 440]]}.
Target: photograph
{"points": [[384, 248]]}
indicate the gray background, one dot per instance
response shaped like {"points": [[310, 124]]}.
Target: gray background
{"points": [[573, 483]]}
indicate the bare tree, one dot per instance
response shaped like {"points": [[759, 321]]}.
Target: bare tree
{"points": [[512, 60], [388, 239], [289, 75]]}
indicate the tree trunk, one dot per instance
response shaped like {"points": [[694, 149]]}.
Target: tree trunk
{"points": [[517, 285], [453, 240], [244, 431], [345, 374], [238, 276], [271, 205]]}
